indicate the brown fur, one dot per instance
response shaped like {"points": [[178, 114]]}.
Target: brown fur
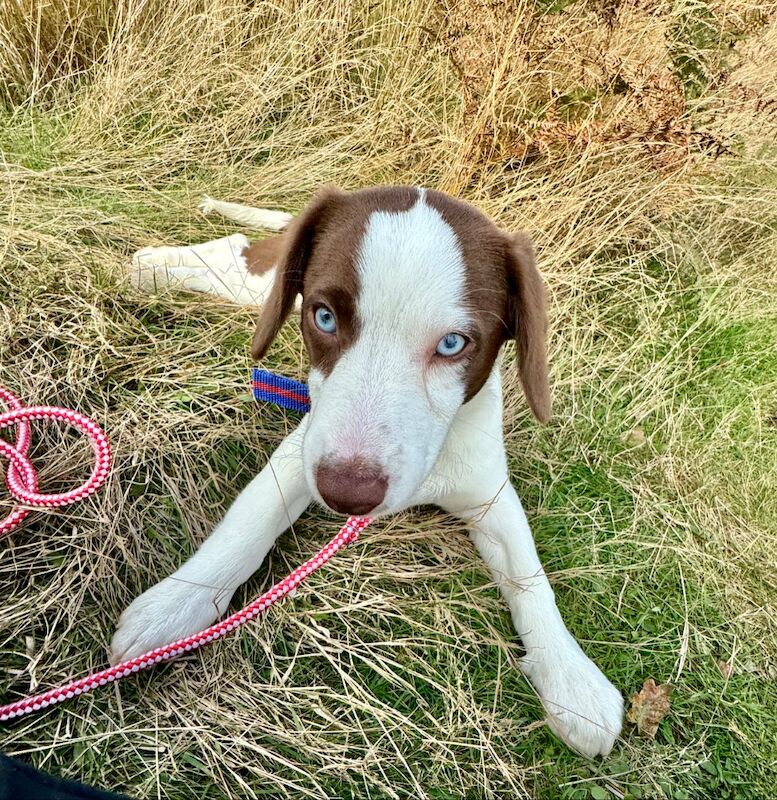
{"points": [[316, 257], [265, 254], [506, 297], [297, 246], [529, 323], [319, 261], [482, 245]]}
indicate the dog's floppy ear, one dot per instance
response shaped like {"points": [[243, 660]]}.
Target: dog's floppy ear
{"points": [[298, 242], [528, 322]]}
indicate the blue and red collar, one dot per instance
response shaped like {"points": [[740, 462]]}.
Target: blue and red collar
{"points": [[286, 392]]}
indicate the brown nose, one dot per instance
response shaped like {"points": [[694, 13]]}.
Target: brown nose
{"points": [[351, 487]]}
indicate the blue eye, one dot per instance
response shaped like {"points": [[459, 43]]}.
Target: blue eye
{"points": [[451, 345], [325, 320]]}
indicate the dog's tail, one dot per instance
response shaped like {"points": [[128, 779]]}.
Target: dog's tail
{"points": [[245, 215]]}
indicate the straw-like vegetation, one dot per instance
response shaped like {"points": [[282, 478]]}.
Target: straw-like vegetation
{"points": [[635, 142]]}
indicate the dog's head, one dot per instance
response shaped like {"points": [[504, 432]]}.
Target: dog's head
{"points": [[407, 296]]}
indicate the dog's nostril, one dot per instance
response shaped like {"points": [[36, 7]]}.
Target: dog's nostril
{"points": [[351, 487]]}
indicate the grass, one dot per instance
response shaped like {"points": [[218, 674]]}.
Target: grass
{"points": [[635, 144]]}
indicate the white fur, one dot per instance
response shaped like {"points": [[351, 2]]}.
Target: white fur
{"points": [[199, 592], [379, 403], [245, 215], [384, 402], [216, 267]]}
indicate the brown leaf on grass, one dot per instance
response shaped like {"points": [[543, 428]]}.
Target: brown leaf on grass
{"points": [[649, 706]]}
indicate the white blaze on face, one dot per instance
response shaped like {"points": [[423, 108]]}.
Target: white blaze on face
{"points": [[389, 400]]}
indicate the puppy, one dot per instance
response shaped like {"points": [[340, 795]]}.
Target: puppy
{"points": [[407, 296]]}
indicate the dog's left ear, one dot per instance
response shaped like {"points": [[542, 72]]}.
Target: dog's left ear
{"points": [[528, 323], [296, 248]]}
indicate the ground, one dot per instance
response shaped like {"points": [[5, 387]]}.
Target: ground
{"points": [[634, 142]]}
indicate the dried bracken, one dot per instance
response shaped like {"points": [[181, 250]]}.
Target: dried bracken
{"points": [[561, 82]]}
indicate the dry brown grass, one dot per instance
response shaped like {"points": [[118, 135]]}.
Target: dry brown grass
{"points": [[634, 142]]}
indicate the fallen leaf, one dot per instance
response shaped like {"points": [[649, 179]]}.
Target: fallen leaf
{"points": [[765, 671], [649, 706]]}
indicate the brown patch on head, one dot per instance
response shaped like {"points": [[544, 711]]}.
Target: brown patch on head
{"points": [[317, 259], [298, 242], [505, 294], [265, 254]]}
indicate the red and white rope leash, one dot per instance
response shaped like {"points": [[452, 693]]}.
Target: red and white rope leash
{"points": [[348, 533], [21, 478], [22, 483]]}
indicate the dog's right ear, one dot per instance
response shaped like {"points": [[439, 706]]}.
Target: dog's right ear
{"points": [[299, 239]]}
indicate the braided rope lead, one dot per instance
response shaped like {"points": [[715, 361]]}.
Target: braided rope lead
{"points": [[347, 534], [21, 478], [22, 482]]}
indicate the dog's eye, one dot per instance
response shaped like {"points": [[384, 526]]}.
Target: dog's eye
{"points": [[325, 320], [451, 345]]}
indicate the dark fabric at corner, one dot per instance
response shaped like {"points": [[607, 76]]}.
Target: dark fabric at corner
{"points": [[20, 781]]}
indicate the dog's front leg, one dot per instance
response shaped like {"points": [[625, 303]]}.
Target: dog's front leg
{"points": [[584, 709], [198, 593]]}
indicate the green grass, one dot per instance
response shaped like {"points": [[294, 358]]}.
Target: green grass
{"points": [[652, 493]]}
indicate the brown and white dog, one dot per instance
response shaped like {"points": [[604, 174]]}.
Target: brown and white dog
{"points": [[407, 296]]}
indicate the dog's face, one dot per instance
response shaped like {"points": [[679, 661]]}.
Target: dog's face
{"points": [[407, 296]]}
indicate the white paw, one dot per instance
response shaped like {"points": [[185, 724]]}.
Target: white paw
{"points": [[584, 709], [166, 612], [217, 268], [246, 215]]}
